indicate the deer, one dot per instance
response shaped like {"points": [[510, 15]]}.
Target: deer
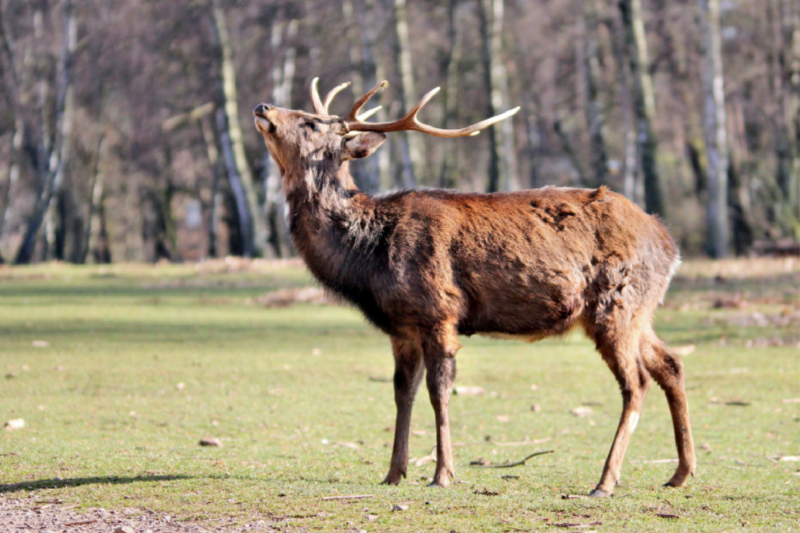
{"points": [[425, 266]]}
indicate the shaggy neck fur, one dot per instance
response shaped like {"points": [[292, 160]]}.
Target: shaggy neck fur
{"points": [[334, 228]]}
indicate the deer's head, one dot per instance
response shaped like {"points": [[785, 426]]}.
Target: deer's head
{"points": [[300, 139]]}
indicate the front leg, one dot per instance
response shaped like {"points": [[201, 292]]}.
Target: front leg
{"points": [[407, 377], [440, 347]]}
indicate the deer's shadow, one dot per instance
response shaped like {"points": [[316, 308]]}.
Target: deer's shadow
{"points": [[55, 483]]}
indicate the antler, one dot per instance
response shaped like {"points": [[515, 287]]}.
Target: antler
{"points": [[320, 107], [354, 122]]}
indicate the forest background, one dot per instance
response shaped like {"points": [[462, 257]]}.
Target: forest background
{"points": [[125, 125]]}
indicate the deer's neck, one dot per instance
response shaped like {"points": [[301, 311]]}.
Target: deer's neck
{"points": [[334, 226]]}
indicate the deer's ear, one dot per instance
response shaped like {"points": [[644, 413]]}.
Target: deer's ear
{"points": [[362, 144]]}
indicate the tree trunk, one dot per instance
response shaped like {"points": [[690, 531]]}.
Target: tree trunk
{"points": [[12, 175], [644, 107], [410, 144], [218, 170], [274, 202], [55, 225], [256, 232], [739, 207], [237, 187], [366, 172], [355, 44], [790, 186], [632, 186], [571, 154], [50, 164], [595, 109], [91, 237], [502, 159], [450, 67], [533, 141], [716, 138], [380, 163]]}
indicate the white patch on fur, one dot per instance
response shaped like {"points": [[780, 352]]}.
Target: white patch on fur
{"points": [[672, 270], [674, 267], [633, 420]]}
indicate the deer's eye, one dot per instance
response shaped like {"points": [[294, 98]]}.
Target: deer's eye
{"points": [[311, 125]]}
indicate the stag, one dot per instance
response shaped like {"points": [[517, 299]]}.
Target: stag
{"points": [[426, 266]]}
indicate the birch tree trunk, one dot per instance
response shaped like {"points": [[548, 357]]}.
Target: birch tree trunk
{"points": [[237, 187], [502, 160], [716, 138], [644, 107], [410, 144], [256, 232], [53, 224], [50, 163], [274, 202]]}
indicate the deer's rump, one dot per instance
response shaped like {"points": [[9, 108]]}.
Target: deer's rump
{"points": [[523, 264]]}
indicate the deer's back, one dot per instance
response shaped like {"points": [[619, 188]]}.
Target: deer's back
{"points": [[527, 263]]}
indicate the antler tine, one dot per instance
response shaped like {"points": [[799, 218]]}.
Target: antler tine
{"points": [[410, 122], [332, 93], [319, 107], [352, 116], [366, 114]]}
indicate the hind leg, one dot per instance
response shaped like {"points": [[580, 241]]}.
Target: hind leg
{"points": [[623, 358], [667, 370], [440, 345]]}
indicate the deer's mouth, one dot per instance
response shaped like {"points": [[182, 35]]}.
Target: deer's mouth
{"points": [[263, 124]]}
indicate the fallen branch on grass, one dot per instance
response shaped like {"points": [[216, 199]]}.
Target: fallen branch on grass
{"points": [[518, 443], [430, 458], [510, 465], [351, 497]]}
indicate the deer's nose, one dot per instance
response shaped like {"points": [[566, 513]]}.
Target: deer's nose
{"points": [[261, 109]]}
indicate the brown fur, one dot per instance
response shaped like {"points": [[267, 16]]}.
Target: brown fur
{"points": [[426, 266]]}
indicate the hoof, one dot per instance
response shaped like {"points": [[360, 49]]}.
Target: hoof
{"points": [[678, 481], [393, 478], [598, 493], [440, 482]]}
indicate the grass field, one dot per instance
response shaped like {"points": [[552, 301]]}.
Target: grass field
{"points": [[119, 371]]}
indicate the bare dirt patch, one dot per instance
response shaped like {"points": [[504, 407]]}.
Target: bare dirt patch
{"points": [[48, 515]]}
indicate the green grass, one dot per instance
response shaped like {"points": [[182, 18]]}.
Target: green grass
{"points": [[289, 392]]}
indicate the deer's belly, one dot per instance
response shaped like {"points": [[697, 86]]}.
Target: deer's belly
{"points": [[530, 337]]}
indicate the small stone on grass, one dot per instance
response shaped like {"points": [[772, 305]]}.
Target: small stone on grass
{"points": [[211, 441], [14, 423]]}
